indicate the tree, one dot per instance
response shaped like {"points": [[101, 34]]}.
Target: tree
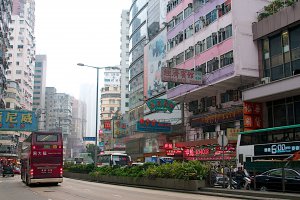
{"points": [[90, 148]]}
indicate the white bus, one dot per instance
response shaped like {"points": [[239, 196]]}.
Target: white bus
{"points": [[113, 159], [276, 143]]}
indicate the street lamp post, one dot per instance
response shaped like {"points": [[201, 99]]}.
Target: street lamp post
{"points": [[97, 94]]}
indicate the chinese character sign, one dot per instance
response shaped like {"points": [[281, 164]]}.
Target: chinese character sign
{"points": [[161, 105], [181, 76], [253, 115], [13, 120]]}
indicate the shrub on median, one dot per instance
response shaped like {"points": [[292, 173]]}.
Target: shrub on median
{"points": [[192, 170]]}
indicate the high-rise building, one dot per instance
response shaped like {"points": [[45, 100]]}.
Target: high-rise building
{"points": [[138, 37], [124, 61], [5, 17], [110, 104], [39, 89], [58, 113], [21, 52]]}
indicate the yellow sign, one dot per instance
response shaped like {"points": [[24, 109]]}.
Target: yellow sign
{"points": [[232, 133]]}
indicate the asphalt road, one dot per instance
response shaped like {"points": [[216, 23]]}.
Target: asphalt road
{"points": [[11, 188]]}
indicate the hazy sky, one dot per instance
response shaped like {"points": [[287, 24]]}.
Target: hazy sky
{"points": [[76, 31]]}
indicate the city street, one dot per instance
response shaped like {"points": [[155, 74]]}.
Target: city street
{"points": [[13, 189]]}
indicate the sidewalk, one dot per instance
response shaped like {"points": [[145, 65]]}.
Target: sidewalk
{"points": [[248, 194]]}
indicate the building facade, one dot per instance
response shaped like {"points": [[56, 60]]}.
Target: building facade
{"points": [[124, 64], [278, 91], [21, 53], [138, 37], [5, 16], [39, 89], [58, 113], [210, 37]]}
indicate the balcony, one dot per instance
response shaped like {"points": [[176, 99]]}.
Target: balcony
{"points": [[274, 21]]}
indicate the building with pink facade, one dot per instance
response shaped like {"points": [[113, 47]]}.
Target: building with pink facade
{"points": [[214, 37]]}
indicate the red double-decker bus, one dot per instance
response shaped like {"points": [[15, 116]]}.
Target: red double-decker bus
{"points": [[42, 158]]}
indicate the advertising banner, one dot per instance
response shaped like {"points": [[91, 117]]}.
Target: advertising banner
{"points": [[18, 120]]}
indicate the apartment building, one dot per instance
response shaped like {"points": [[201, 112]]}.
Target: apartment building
{"points": [[215, 38]]}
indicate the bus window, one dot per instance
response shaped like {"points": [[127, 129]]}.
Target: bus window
{"points": [[297, 134], [46, 138], [120, 160], [245, 139]]}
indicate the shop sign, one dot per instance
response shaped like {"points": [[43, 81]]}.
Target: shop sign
{"points": [[174, 152], [252, 115], [217, 118], [161, 105], [12, 120], [89, 139], [107, 124], [211, 158], [276, 149], [153, 126], [184, 76], [232, 133]]}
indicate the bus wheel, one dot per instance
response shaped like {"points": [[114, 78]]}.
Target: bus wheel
{"points": [[27, 181]]}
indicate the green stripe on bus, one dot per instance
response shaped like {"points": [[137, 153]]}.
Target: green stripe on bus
{"points": [[271, 129]]}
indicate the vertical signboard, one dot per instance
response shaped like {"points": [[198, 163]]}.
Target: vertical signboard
{"points": [[252, 116]]}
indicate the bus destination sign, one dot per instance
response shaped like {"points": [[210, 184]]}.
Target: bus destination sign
{"points": [[277, 149]]}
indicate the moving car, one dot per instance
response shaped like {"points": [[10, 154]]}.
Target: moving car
{"points": [[272, 180], [7, 171]]}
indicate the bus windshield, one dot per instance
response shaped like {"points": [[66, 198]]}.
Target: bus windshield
{"points": [[113, 160]]}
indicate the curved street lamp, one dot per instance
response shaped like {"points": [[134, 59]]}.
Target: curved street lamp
{"points": [[97, 94]]}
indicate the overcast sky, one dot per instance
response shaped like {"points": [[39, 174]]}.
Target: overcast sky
{"points": [[76, 31]]}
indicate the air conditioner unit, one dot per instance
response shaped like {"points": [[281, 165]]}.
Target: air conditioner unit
{"points": [[191, 26], [214, 34], [218, 7], [174, 57], [174, 17], [199, 43], [190, 5], [222, 30], [216, 59], [202, 18], [265, 80], [191, 48]]}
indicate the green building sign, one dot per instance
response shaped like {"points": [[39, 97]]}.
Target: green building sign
{"points": [[161, 105]]}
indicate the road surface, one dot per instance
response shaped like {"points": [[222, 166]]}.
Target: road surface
{"points": [[12, 188]]}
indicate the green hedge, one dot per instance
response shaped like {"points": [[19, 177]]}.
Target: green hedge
{"points": [[85, 169], [192, 170]]}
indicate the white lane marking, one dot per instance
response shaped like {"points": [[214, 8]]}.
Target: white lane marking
{"points": [[115, 195]]}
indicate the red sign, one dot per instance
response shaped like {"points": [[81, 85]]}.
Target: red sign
{"points": [[107, 124], [253, 115], [168, 146]]}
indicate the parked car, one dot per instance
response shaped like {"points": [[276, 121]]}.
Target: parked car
{"points": [[17, 170], [7, 171], [272, 180]]}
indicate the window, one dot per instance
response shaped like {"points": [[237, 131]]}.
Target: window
{"points": [[19, 54], [127, 95], [18, 71], [179, 18], [188, 11], [276, 173], [112, 108], [295, 48], [189, 53], [214, 39], [46, 138], [208, 42], [197, 26], [226, 59], [188, 32], [212, 65], [126, 104], [228, 31], [201, 68], [180, 58]]}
